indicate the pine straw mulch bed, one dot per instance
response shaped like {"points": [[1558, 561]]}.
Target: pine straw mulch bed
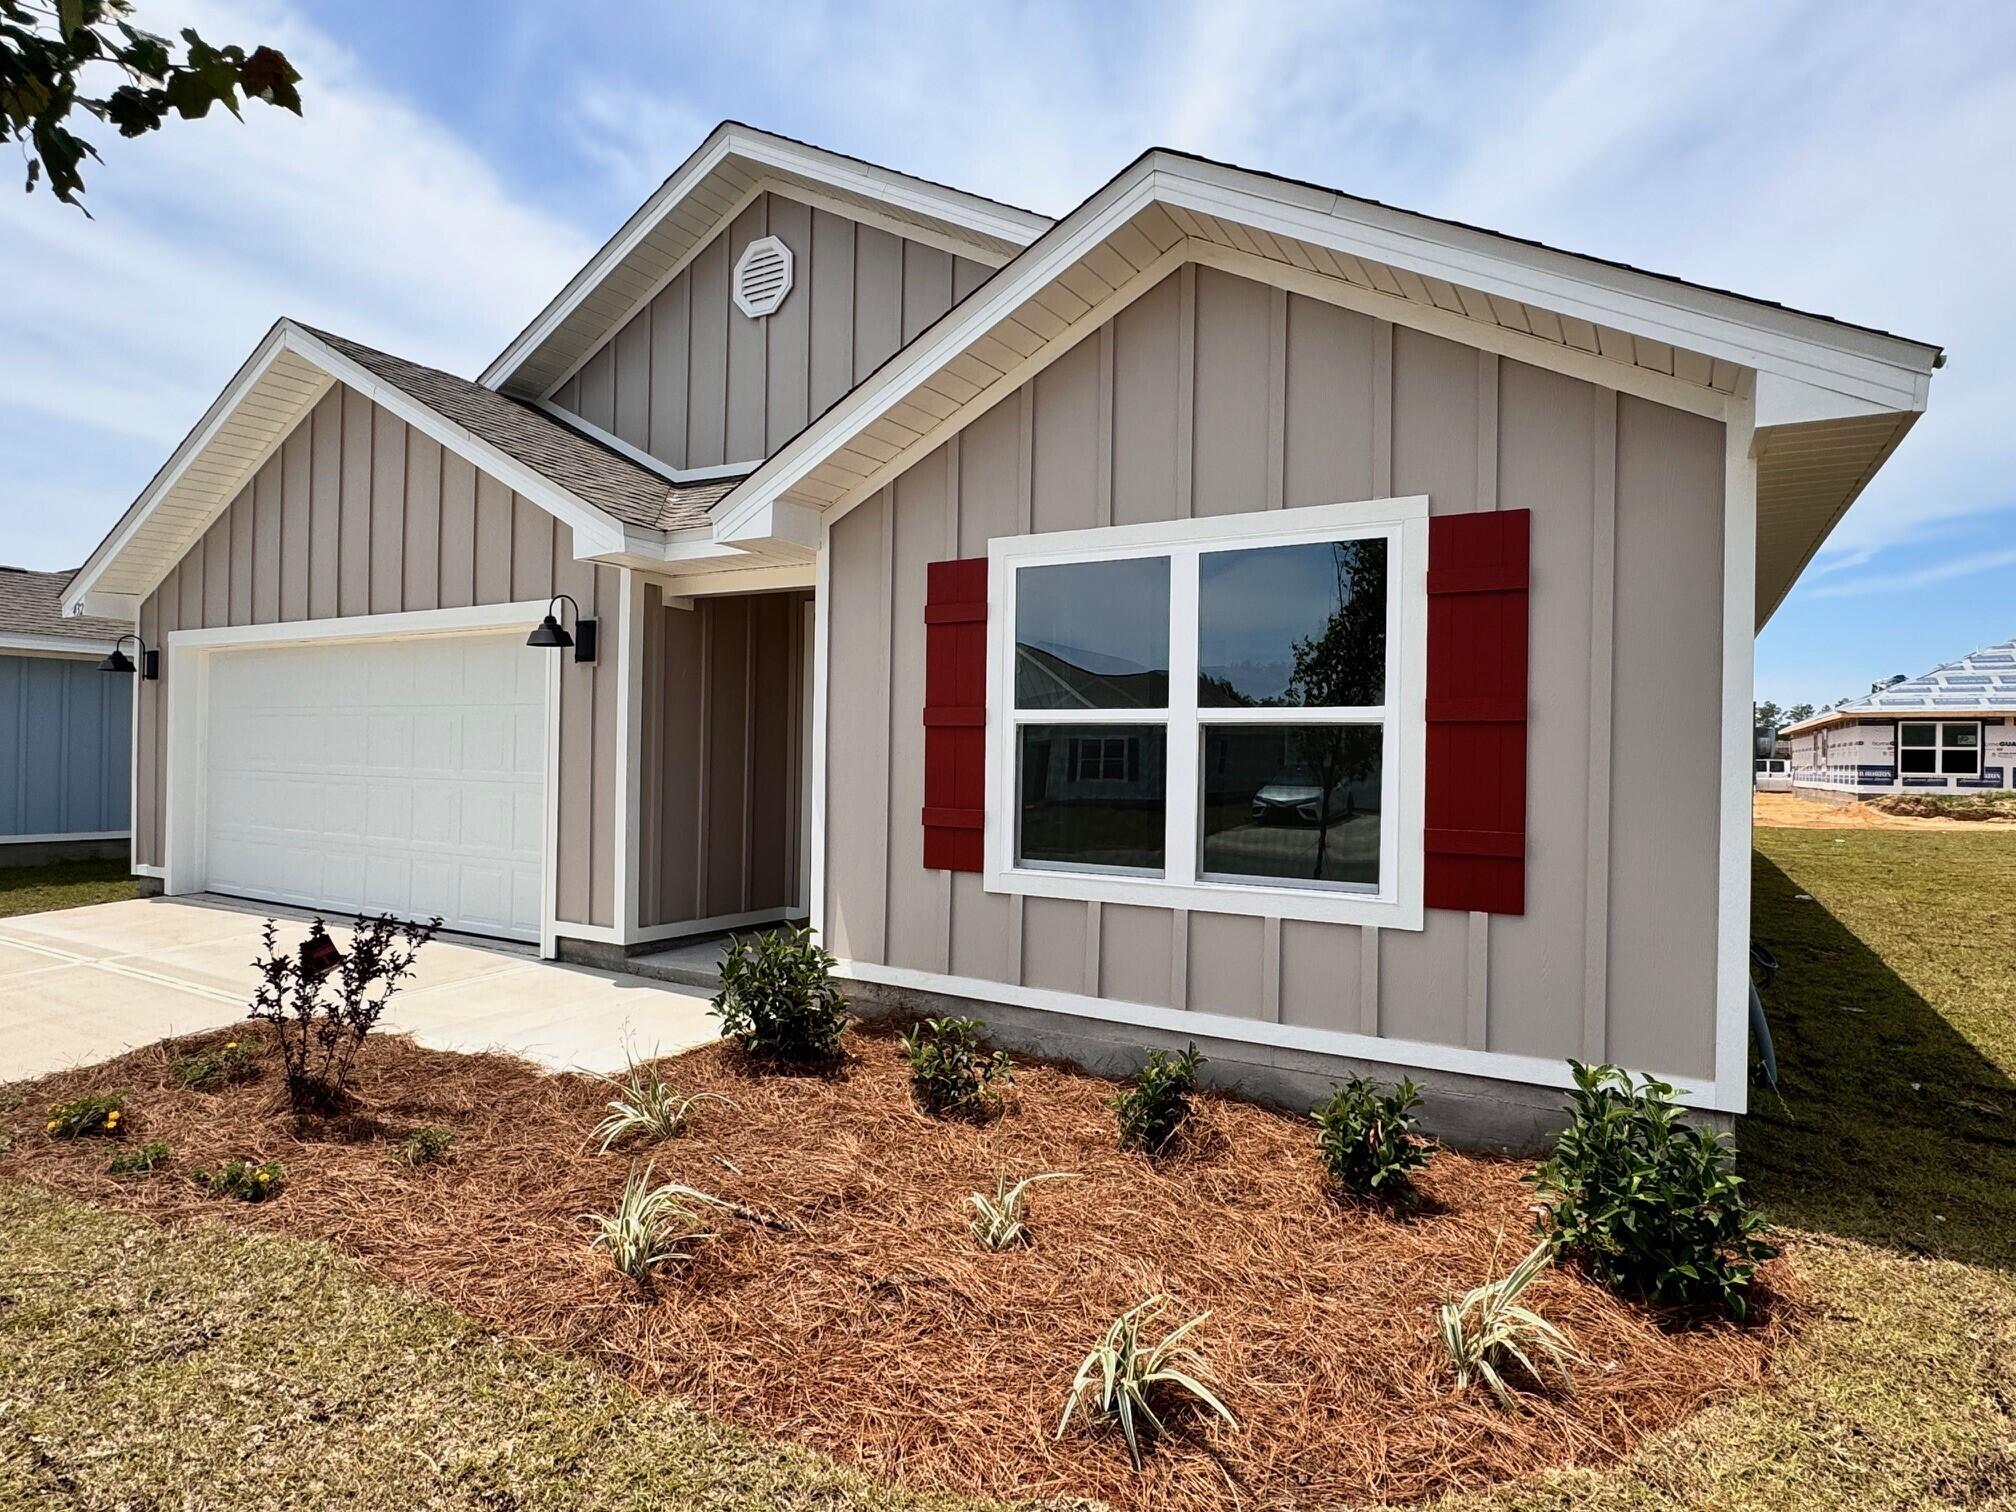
{"points": [[876, 1330]]}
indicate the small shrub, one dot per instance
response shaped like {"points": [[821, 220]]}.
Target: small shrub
{"points": [[1122, 1369], [950, 1072], [778, 1000], [1003, 1218], [1366, 1136], [426, 1145], [242, 1179], [647, 1108], [321, 1003], [651, 1226], [1646, 1201], [1155, 1106], [1489, 1324], [96, 1113], [212, 1070], [137, 1162]]}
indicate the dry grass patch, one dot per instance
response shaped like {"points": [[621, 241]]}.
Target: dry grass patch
{"points": [[869, 1325]]}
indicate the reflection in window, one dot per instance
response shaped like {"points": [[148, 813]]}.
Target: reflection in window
{"points": [[1292, 803], [1092, 796], [1301, 626], [1093, 635]]}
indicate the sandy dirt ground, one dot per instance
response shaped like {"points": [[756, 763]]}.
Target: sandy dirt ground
{"points": [[1787, 811]]}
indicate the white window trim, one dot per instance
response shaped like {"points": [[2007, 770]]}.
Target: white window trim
{"points": [[1397, 904]]}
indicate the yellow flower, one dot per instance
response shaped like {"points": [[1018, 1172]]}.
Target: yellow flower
{"points": [[231, 1044], [265, 1175], [50, 1126]]}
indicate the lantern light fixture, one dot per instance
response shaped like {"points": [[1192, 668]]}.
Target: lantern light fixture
{"points": [[149, 666], [550, 635]]}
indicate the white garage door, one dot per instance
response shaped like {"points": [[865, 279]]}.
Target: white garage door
{"points": [[402, 777]]}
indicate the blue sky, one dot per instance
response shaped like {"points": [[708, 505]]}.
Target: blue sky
{"points": [[460, 160]]}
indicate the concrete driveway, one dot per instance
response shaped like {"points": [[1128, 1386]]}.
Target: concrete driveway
{"points": [[82, 984]]}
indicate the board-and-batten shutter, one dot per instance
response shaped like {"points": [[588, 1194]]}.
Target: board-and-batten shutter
{"points": [[1476, 778], [955, 714]]}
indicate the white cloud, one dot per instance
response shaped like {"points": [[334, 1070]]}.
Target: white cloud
{"points": [[1917, 577], [366, 216]]}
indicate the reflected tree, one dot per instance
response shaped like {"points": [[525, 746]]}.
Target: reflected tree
{"points": [[1344, 667]]}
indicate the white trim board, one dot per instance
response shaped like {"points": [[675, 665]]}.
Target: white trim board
{"points": [[641, 457], [62, 647], [1526, 1070]]}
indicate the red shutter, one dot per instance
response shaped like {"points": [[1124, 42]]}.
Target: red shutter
{"points": [[955, 713], [1476, 799]]}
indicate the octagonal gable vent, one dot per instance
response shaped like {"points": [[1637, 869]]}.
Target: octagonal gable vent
{"points": [[762, 276]]}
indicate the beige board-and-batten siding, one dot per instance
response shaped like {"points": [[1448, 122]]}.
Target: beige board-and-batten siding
{"points": [[723, 687], [1215, 394], [696, 383], [357, 514]]}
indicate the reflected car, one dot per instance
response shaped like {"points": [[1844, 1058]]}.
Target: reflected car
{"points": [[1296, 796]]}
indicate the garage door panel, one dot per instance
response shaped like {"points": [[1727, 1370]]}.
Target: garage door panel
{"points": [[403, 777]]}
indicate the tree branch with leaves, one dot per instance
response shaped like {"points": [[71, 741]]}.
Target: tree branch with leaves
{"points": [[55, 55]]}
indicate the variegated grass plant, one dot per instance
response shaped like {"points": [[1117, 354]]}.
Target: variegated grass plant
{"points": [[647, 1108], [652, 1225], [1490, 1326], [1002, 1220], [1117, 1377]]}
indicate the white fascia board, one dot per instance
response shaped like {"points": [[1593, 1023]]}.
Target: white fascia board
{"points": [[64, 646], [595, 533], [970, 212], [1784, 400], [116, 540], [1887, 370], [643, 458], [112, 606], [779, 521]]}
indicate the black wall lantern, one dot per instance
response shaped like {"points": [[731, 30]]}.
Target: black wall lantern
{"points": [[119, 661], [548, 635]]}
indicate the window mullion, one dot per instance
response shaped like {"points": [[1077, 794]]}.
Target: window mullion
{"points": [[1180, 844]]}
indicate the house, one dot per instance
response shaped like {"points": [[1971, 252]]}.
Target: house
{"points": [[1951, 730], [68, 733], [1236, 611]]}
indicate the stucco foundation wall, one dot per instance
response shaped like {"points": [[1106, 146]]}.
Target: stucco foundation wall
{"points": [[65, 737], [695, 382], [357, 514], [1214, 394], [721, 731]]}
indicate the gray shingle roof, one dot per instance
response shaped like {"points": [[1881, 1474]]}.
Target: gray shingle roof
{"points": [[1985, 680], [31, 604], [596, 474]]}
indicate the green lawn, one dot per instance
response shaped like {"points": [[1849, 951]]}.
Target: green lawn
{"points": [[144, 1367], [67, 884]]}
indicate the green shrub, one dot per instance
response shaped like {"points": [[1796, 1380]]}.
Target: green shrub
{"points": [[426, 1145], [212, 1070], [242, 1179], [137, 1162], [647, 1108], [1154, 1108], [950, 1072], [778, 1000], [96, 1113], [1366, 1136], [1647, 1202]]}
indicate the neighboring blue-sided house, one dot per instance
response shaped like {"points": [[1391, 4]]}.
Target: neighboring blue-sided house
{"points": [[66, 729], [1951, 730]]}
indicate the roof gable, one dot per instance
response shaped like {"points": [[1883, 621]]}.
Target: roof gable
{"points": [[599, 493], [727, 171], [1829, 400]]}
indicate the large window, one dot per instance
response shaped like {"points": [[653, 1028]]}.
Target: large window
{"points": [[1214, 714], [1950, 749]]}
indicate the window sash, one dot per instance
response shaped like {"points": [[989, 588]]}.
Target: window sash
{"points": [[1186, 719]]}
